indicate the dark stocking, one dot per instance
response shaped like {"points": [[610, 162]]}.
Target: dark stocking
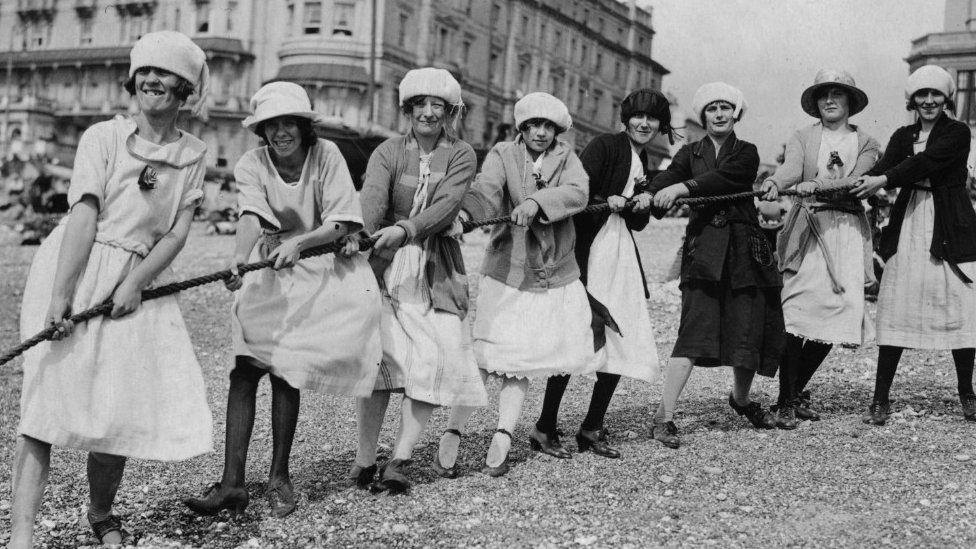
{"points": [[240, 420], [285, 401], [549, 417], [603, 390], [888, 357], [964, 359], [789, 369], [104, 477], [814, 353]]}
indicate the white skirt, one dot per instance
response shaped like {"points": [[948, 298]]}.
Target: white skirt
{"points": [[426, 353], [533, 334], [316, 324], [614, 279], [130, 386], [811, 309], [922, 304]]}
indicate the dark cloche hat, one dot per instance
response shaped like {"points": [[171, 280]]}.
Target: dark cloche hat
{"points": [[651, 102]]}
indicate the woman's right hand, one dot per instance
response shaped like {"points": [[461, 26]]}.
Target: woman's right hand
{"points": [[350, 245], [806, 188], [58, 314], [616, 203], [770, 190], [235, 281]]}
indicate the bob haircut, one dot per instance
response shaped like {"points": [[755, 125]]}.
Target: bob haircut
{"points": [[305, 128], [910, 105], [182, 91], [536, 121]]}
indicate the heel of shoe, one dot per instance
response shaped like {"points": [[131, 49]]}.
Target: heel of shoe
{"points": [[583, 444], [534, 444]]}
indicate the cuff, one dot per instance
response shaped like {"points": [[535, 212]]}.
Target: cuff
{"points": [[265, 217], [692, 186], [409, 227]]}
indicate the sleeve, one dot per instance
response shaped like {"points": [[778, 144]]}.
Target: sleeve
{"points": [[569, 197], [340, 202], [937, 156], [866, 158], [91, 170], [791, 171], [592, 158], [374, 197], [678, 171], [251, 194], [736, 174], [446, 202], [484, 200], [193, 186]]}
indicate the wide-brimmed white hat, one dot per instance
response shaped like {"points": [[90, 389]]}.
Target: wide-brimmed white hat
{"points": [[828, 78], [542, 105], [279, 99], [719, 91], [931, 77], [176, 53]]}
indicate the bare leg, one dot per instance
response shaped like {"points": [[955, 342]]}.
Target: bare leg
{"points": [[104, 477], [285, 402], [32, 462], [447, 450], [370, 412], [677, 374], [414, 416], [510, 401]]}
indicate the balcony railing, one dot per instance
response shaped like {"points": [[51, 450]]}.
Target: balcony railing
{"points": [[943, 42]]}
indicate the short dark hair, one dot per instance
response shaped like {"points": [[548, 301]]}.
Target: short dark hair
{"points": [[183, 90], [823, 90], [950, 105], [305, 128], [536, 121]]}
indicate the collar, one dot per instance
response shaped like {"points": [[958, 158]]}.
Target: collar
{"points": [[706, 142], [181, 153]]}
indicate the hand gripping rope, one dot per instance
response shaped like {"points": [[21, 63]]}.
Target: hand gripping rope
{"points": [[366, 244]]}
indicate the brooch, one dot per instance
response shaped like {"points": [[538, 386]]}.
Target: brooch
{"points": [[834, 160], [640, 184], [148, 178], [539, 182]]}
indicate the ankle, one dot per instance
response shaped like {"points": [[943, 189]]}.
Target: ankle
{"points": [[98, 515]]}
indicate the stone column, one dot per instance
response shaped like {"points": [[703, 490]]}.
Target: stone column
{"points": [[422, 27]]}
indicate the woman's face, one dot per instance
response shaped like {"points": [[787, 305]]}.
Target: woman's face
{"points": [[283, 135], [154, 90], [929, 104], [719, 121], [641, 128], [539, 134], [834, 105], [427, 117]]}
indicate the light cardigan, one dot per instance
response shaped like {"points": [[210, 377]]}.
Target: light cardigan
{"points": [[540, 256], [803, 220]]}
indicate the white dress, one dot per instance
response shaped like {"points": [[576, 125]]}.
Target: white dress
{"points": [[426, 352], [316, 324], [922, 304], [129, 386], [811, 307], [614, 279]]}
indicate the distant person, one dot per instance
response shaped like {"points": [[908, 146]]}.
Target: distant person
{"points": [[309, 325], [824, 247], [927, 299], [128, 385], [730, 304], [413, 190], [610, 266], [533, 317]]}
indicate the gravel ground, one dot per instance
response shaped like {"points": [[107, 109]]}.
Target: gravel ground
{"points": [[836, 482]]}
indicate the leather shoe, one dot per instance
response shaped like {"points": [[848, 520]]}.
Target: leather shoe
{"points": [[281, 498], [215, 499], [804, 409], [501, 469], [392, 477], [548, 443], [446, 472], [968, 406], [363, 476], [786, 417], [754, 412], [666, 432], [879, 411], [595, 441]]}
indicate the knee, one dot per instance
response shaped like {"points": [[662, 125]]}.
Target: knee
{"points": [[280, 385], [246, 371]]}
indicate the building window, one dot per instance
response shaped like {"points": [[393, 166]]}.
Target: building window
{"points": [[466, 5], [640, 42], [231, 10], [599, 62], [640, 79], [580, 98], [85, 31], [496, 14], [572, 49], [557, 40], [617, 70], [466, 52], [542, 34], [584, 54], [443, 41], [343, 18], [966, 97], [313, 18], [203, 16], [493, 68], [523, 74], [402, 30]]}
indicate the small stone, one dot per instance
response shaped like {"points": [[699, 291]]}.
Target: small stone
{"points": [[48, 523], [327, 447], [962, 457], [586, 540], [725, 515], [668, 493], [713, 470], [952, 486], [746, 508], [666, 479], [721, 496], [4, 505], [924, 502], [219, 526], [478, 501], [339, 501], [400, 529], [630, 435]]}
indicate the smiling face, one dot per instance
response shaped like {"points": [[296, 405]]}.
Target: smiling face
{"points": [[641, 128], [155, 90], [833, 104], [283, 135], [929, 104], [719, 121], [427, 116], [538, 134]]}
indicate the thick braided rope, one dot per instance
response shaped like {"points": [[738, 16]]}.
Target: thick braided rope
{"points": [[701, 200]]}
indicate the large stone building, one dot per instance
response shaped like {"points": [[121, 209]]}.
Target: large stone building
{"points": [[62, 62], [955, 49]]}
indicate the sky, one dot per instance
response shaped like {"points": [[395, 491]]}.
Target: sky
{"points": [[772, 50]]}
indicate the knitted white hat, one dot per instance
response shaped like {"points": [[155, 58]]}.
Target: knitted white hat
{"points": [[543, 105], [279, 99], [930, 77], [719, 91], [175, 52], [430, 81]]}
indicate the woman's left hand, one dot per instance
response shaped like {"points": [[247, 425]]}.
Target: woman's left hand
{"points": [[806, 188], [867, 185], [524, 214], [391, 237], [666, 197], [642, 203], [125, 300], [286, 254]]}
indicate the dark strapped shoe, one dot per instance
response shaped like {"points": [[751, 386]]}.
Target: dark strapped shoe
{"points": [[968, 406], [786, 417], [281, 498], [879, 411], [754, 412], [362, 476], [214, 500], [106, 526], [595, 441], [446, 472], [501, 469], [804, 409], [666, 432], [392, 477], [548, 443]]}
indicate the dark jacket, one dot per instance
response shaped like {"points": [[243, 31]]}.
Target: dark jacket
{"points": [[723, 240], [943, 162], [607, 160]]}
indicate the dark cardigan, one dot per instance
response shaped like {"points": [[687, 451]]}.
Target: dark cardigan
{"points": [[606, 160], [943, 162], [720, 237]]}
